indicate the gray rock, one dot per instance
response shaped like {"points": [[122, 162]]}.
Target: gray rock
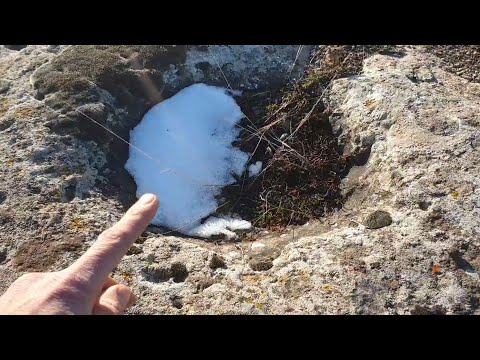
{"points": [[328, 266]]}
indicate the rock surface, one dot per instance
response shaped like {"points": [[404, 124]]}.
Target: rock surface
{"points": [[414, 125]]}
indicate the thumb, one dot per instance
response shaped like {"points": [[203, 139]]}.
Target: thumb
{"points": [[114, 301]]}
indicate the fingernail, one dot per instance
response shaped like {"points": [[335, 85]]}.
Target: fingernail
{"points": [[147, 199]]}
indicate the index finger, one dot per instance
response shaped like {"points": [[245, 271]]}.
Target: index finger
{"points": [[95, 265]]}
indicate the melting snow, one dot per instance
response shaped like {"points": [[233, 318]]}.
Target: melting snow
{"points": [[190, 137]]}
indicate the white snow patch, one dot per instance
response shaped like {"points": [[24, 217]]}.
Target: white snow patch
{"points": [[190, 137], [257, 246], [216, 226], [255, 169]]}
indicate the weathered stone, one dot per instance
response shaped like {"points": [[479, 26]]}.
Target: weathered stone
{"points": [[377, 219]]}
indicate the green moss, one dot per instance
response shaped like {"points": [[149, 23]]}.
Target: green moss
{"points": [[81, 67]]}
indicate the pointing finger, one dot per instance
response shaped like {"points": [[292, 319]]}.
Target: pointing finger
{"points": [[95, 265]]}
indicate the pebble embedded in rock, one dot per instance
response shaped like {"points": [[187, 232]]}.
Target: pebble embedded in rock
{"points": [[201, 282], [260, 264], [4, 218], [134, 250], [420, 310], [377, 219], [217, 262], [4, 85], [179, 272], [3, 197], [176, 302], [6, 123]]}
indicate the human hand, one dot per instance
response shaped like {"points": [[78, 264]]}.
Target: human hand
{"points": [[84, 288]]}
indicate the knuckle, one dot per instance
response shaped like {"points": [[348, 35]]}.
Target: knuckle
{"points": [[29, 277], [112, 235], [78, 282], [135, 212]]}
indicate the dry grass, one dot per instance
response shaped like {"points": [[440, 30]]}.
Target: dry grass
{"points": [[292, 136]]}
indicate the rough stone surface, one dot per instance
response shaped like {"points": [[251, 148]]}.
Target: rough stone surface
{"points": [[377, 220], [415, 125]]}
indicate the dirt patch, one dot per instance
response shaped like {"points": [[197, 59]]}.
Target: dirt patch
{"points": [[43, 254]]}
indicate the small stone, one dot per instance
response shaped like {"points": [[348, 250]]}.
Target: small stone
{"points": [[424, 205], [217, 262], [134, 250], [179, 271], [260, 264], [424, 74], [3, 197], [141, 239], [6, 123], [377, 219], [176, 302], [5, 217], [150, 258], [201, 282], [420, 310], [4, 85], [232, 255], [53, 48], [3, 256]]}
